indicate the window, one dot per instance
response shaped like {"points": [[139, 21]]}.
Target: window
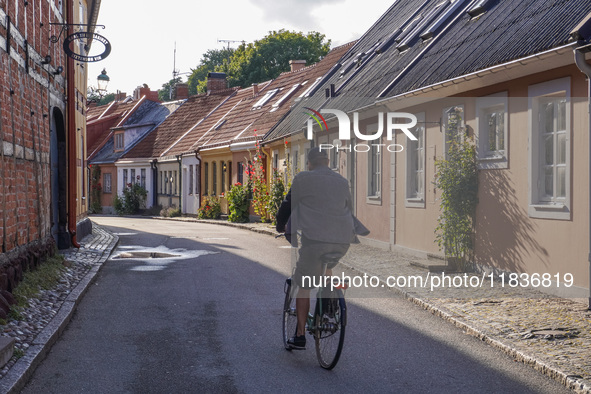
{"points": [[415, 165], [241, 173], [175, 182], [230, 173], [453, 125], [549, 175], [374, 176], [268, 96], [492, 123], [119, 142], [275, 160], [107, 182], [223, 178], [190, 179], [206, 179], [143, 178], [161, 182], [133, 180], [125, 179], [214, 169], [296, 162]]}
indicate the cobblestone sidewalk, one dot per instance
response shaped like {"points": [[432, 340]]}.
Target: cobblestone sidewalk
{"points": [[46, 317]]}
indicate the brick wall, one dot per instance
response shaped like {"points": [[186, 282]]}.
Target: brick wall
{"points": [[26, 105]]}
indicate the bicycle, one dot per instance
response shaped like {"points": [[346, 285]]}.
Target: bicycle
{"points": [[327, 323]]}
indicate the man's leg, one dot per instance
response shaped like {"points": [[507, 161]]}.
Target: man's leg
{"points": [[302, 309]]}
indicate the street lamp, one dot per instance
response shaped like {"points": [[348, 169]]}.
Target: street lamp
{"points": [[102, 82]]}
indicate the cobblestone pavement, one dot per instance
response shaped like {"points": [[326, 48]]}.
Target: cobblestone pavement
{"points": [[553, 335], [46, 317]]}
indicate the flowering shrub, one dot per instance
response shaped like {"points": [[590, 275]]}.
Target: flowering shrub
{"points": [[133, 200], [95, 205], [276, 195], [256, 177], [238, 203], [210, 208]]}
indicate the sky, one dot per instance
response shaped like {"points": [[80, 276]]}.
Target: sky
{"points": [[143, 33]]}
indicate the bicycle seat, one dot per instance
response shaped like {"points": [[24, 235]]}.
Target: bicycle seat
{"points": [[331, 257]]}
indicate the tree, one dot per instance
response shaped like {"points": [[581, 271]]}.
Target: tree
{"points": [[164, 93], [267, 58], [214, 60], [93, 96]]}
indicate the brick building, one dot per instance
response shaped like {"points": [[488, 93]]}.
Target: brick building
{"points": [[42, 157]]}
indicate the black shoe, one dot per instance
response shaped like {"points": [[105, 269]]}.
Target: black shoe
{"points": [[297, 342]]}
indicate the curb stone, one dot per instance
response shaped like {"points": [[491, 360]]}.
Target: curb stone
{"points": [[19, 374]]}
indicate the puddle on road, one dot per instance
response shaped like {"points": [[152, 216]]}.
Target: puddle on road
{"points": [[156, 259]]}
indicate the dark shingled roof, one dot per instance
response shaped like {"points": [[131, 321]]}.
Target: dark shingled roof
{"points": [[507, 31], [147, 116]]}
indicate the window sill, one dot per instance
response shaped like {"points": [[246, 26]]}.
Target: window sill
{"points": [[414, 203], [557, 211], [374, 200], [492, 162]]}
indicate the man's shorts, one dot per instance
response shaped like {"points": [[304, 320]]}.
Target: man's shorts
{"points": [[309, 264]]}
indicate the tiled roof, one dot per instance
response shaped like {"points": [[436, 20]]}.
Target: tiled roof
{"points": [[168, 132], [244, 122], [508, 30]]}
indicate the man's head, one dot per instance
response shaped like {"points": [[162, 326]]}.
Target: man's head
{"points": [[317, 158]]}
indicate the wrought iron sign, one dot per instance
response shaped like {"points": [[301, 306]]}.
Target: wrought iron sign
{"points": [[80, 40]]}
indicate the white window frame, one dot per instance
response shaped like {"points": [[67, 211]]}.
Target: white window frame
{"points": [[191, 179], [543, 207], [107, 182], [498, 158], [119, 142], [374, 196], [416, 199]]}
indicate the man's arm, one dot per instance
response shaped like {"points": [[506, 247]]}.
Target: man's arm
{"points": [[283, 213]]}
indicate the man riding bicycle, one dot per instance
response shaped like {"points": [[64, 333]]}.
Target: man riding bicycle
{"points": [[319, 205]]}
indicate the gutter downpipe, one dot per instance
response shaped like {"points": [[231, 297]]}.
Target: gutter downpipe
{"points": [[200, 162], [586, 69], [71, 108]]}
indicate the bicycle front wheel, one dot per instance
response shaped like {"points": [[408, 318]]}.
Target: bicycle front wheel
{"points": [[329, 332], [290, 320]]}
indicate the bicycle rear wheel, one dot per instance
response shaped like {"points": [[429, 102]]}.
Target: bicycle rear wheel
{"points": [[290, 320], [329, 332]]}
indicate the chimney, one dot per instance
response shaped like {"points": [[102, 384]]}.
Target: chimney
{"points": [[255, 89], [181, 91], [120, 96], [141, 91], [216, 82], [297, 64]]}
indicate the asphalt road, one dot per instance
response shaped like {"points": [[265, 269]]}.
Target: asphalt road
{"points": [[209, 321]]}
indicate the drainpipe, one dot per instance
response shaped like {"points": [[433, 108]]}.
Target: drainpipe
{"points": [[71, 108], [179, 159], [586, 69]]}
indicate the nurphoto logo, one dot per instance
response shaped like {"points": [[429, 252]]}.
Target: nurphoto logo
{"points": [[393, 120]]}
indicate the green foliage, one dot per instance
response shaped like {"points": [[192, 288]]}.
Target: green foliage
{"points": [[267, 58], [164, 93], [276, 195], [93, 95], [44, 277], [170, 212], [238, 203], [95, 205], [210, 208], [133, 200], [457, 178], [257, 178], [214, 60]]}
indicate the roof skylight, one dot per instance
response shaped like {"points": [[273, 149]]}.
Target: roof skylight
{"points": [[265, 99], [436, 26]]}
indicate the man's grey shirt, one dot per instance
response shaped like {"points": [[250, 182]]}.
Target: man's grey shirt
{"points": [[321, 206]]}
